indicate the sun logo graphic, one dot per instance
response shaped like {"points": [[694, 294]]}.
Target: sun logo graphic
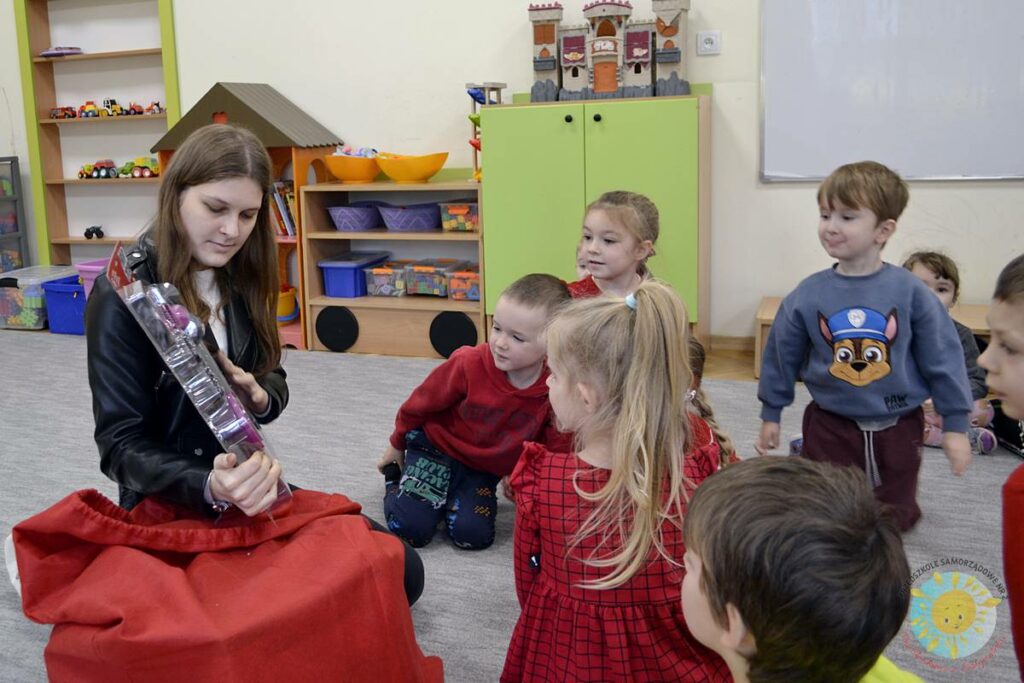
{"points": [[953, 614]]}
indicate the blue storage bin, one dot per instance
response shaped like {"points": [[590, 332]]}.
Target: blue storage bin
{"points": [[343, 274], [65, 305]]}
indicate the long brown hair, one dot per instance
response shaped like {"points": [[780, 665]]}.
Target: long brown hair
{"points": [[700, 401], [212, 153], [637, 360]]}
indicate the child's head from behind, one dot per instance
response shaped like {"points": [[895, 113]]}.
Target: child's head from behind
{"points": [[619, 232], [619, 376], [793, 568], [1004, 357], [859, 205], [938, 272], [520, 316]]}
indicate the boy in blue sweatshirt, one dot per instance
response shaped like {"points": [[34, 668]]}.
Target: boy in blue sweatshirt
{"points": [[871, 343]]}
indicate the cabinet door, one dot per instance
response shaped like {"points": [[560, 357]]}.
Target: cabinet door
{"points": [[651, 147], [533, 194]]}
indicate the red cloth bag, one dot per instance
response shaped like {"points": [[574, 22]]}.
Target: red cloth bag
{"points": [[160, 594]]}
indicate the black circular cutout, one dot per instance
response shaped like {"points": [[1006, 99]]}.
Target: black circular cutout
{"points": [[450, 330], [337, 328]]}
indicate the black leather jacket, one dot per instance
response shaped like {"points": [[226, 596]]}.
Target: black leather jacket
{"points": [[151, 439]]}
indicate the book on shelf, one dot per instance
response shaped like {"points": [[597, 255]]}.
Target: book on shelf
{"points": [[276, 219], [287, 190], [282, 207]]}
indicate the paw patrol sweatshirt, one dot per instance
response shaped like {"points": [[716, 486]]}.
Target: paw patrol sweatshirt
{"points": [[870, 348]]}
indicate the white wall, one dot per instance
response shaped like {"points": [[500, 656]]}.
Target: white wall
{"points": [[390, 75]]}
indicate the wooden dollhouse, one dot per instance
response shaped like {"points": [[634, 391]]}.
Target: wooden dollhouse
{"points": [[609, 56], [292, 137]]}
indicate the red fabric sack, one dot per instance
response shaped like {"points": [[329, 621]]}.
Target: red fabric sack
{"points": [[160, 594]]}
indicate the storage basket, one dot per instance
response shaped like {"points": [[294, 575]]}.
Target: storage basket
{"points": [[65, 305], [412, 218], [356, 217]]}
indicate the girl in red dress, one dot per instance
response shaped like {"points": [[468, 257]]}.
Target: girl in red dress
{"points": [[619, 232], [598, 535]]}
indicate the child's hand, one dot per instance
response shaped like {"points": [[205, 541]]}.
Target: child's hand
{"points": [[251, 486], [958, 450], [768, 439], [255, 397], [391, 454], [507, 490]]}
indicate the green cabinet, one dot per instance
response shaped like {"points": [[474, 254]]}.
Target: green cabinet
{"points": [[544, 163]]}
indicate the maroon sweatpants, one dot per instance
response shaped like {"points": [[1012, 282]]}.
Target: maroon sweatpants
{"points": [[891, 458]]}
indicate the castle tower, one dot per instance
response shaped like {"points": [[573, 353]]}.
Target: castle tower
{"points": [[638, 63], [607, 20], [575, 71], [546, 82], [669, 41]]}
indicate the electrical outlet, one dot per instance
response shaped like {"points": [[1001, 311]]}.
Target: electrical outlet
{"points": [[709, 42]]}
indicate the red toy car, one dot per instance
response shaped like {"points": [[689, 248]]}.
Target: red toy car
{"points": [[134, 109], [104, 168], [154, 108], [63, 113]]}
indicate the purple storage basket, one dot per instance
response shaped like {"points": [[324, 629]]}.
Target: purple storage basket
{"points": [[412, 218], [356, 217]]}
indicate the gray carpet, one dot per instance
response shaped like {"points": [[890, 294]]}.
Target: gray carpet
{"points": [[341, 413]]}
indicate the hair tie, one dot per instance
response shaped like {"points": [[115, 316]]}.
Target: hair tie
{"points": [[631, 301]]}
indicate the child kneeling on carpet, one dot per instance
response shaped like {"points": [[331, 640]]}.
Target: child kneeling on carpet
{"points": [[598, 537], [794, 573], [463, 428]]}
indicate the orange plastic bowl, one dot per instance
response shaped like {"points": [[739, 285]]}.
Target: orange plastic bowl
{"points": [[408, 169], [352, 169]]}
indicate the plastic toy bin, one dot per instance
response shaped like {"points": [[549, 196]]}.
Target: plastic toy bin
{"points": [[386, 279], [90, 270], [343, 274], [460, 216], [65, 305], [464, 284], [22, 298], [430, 276]]}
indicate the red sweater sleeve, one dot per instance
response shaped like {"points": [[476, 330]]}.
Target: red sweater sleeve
{"points": [[525, 482], [443, 388]]}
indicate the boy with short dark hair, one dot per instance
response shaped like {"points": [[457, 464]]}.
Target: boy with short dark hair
{"points": [[871, 343], [794, 573], [463, 428]]}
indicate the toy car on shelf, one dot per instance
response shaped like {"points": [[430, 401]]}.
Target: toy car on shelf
{"points": [[134, 109], [155, 108], [90, 110], [115, 109], [63, 113], [104, 168], [140, 167]]}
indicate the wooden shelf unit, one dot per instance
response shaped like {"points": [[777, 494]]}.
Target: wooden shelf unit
{"points": [[387, 325], [40, 88]]}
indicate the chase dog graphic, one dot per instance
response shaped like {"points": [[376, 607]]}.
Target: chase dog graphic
{"points": [[860, 339]]}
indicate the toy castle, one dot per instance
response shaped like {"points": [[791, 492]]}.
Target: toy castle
{"points": [[610, 56]]}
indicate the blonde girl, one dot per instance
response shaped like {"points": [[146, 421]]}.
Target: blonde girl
{"points": [[619, 232], [598, 535]]}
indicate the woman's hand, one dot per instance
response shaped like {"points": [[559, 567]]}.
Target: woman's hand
{"points": [[250, 486], [255, 397]]}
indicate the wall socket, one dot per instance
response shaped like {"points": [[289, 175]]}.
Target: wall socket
{"points": [[709, 42]]}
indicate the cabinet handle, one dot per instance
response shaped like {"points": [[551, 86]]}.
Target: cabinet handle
{"points": [[568, 118], [597, 117]]}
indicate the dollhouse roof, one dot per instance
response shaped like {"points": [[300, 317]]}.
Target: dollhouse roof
{"points": [[276, 120]]}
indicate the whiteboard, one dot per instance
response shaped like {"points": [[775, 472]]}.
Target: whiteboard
{"points": [[934, 89]]}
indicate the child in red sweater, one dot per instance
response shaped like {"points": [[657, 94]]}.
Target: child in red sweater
{"points": [[463, 428]]}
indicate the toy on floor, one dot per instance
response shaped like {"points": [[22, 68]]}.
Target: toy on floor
{"points": [[178, 337]]}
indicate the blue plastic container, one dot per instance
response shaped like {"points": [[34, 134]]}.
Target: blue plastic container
{"points": [[343, 274], [65, 305]]}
